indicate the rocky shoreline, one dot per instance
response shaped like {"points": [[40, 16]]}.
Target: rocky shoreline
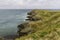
{"points": [[9, 37], [41, 25]]}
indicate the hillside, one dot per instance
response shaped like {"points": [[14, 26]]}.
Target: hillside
{"points": [[41, 25]]}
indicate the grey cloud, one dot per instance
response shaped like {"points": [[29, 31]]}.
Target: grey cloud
{"points": [[30, 4]]}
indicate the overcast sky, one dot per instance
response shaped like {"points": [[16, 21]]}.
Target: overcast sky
{"points": [[29, 4]]}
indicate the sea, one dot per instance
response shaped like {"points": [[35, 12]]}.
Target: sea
{"points": [[10, 19]]}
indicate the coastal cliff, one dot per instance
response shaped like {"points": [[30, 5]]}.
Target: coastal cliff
{"points": [[41, 25]]}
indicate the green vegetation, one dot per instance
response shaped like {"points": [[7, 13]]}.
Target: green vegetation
{"points": [[43, 24]]}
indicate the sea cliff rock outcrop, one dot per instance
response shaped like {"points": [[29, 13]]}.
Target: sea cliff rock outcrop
{"points": [[42, 25], [24, 29], [32, 16]]}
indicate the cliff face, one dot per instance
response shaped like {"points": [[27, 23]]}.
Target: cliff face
{"points": [[24, 29], [42, 25]]}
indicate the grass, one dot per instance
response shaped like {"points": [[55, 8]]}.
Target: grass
{"points": [[48, 28]]}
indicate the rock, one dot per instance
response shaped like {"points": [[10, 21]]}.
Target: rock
{"points": [[10, 37], [22, 26], [24, 29], [33, 18], [31, 13], [29, 16]]}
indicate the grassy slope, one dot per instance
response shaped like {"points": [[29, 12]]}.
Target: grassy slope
{"points": [[48, 28]]}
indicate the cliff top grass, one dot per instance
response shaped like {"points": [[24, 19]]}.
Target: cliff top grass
{"points": [[46, 28]]}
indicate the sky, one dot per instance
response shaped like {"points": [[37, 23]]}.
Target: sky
{"points": [[29, 4]]}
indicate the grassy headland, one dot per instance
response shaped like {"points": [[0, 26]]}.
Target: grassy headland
{"points": [[42, 25]]}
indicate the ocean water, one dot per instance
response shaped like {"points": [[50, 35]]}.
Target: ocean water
{"points": [[10, 19]]}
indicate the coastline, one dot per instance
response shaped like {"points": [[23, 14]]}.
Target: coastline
{"points": [[9, 37]]}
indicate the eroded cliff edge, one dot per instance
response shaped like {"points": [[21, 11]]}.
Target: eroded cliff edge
{"points": [[42, 25]]}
